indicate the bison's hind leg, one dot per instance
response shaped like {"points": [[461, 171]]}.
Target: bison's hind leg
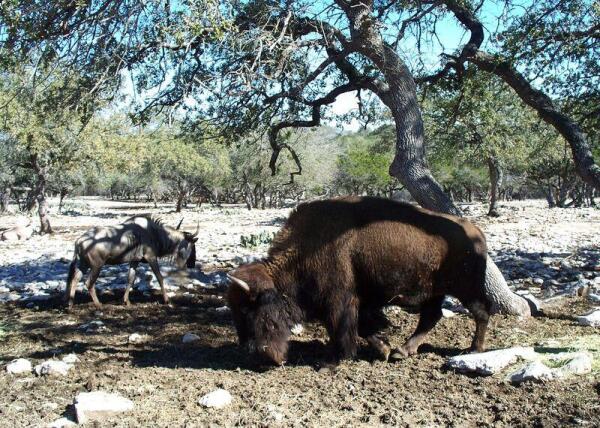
{"points": [[481, 313], [371, 321], [429, 315]]}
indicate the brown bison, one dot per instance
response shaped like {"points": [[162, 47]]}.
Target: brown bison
{"points": [[140, 239], [341, 261]]}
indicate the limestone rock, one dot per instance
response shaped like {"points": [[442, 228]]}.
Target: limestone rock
{"points": [[190, 337], [137, 338], [591, 319], [447, 313], [218, 398], [581, 363], [488, 363], [70, 359], [18, 366], [297, 329], [99, 405], [534, 371], [52, 368]]}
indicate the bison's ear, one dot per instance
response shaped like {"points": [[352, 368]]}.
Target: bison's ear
{"points": [[239, 283]]}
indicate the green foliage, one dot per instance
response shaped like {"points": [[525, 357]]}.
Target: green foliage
{"points": [[255, 240], [364, 163]]}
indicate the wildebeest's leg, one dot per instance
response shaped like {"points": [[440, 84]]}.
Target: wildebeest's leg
{"points": [[91, 285], [342, 326], [154, 266], [429, 314], [130, 279], [75, 274], [371, 321], [481, 314]]}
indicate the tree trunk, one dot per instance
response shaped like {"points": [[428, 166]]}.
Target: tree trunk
{"points": [[4, 200], [39, 195], [409, 165], [63, 194], [180, 198], [495, 182]]}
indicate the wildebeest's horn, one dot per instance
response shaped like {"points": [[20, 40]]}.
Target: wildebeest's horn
{"points": [[242, 284], [179, 225], [197, 230]]}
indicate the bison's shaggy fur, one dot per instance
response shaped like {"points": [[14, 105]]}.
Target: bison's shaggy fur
{"points": [[341, 261]]}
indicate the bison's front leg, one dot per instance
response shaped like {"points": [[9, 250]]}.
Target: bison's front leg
{"points": [[156, 270], [429, 315], [342, 326]]}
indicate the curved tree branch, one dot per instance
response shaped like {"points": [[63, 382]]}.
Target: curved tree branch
{"points": [[538, 100]]}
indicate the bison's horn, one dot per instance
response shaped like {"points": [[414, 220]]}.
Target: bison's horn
{"points": [[242, 284], [197, 230], [179, 225]]}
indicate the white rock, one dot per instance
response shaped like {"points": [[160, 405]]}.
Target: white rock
{"points": [[535, 371], [137, 338], [222, 309], [52, 368], [488, 363], [95, 326], [591, 319], [18, 366], [581, 363], [61, 423], [99, 405], [447, 313], [70, 358], [218, 398], [594, 298], [190, 337], [297, 329]]}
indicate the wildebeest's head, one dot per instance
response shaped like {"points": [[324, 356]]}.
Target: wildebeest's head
{"points": [[185, 255], [259, 312]]}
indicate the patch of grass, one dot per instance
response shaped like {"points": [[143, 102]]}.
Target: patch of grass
{"points": [[254, 240], [588, 343]]}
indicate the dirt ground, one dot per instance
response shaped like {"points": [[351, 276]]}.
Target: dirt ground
{"points": [[165, 378]]}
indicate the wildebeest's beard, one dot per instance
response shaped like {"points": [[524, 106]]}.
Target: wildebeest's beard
{"points": [[269, 326], [191, 261]]}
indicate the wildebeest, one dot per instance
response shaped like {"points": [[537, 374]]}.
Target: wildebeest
{"points": [[138, 239], [340, 261]]}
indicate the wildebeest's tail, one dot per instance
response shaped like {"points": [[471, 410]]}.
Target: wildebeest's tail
{"points": [[73, 269]]}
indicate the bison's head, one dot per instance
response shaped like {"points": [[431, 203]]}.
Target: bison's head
{"points": [[259, 312]]}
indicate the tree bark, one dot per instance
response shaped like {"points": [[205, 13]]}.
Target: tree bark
{"points": [[409, 165], [495, 183]]}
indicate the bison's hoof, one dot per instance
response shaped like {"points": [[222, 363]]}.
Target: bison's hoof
{"points": [[403, 352]]}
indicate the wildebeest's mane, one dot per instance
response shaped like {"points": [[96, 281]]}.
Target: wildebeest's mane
{"points": [[161, 234]]}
